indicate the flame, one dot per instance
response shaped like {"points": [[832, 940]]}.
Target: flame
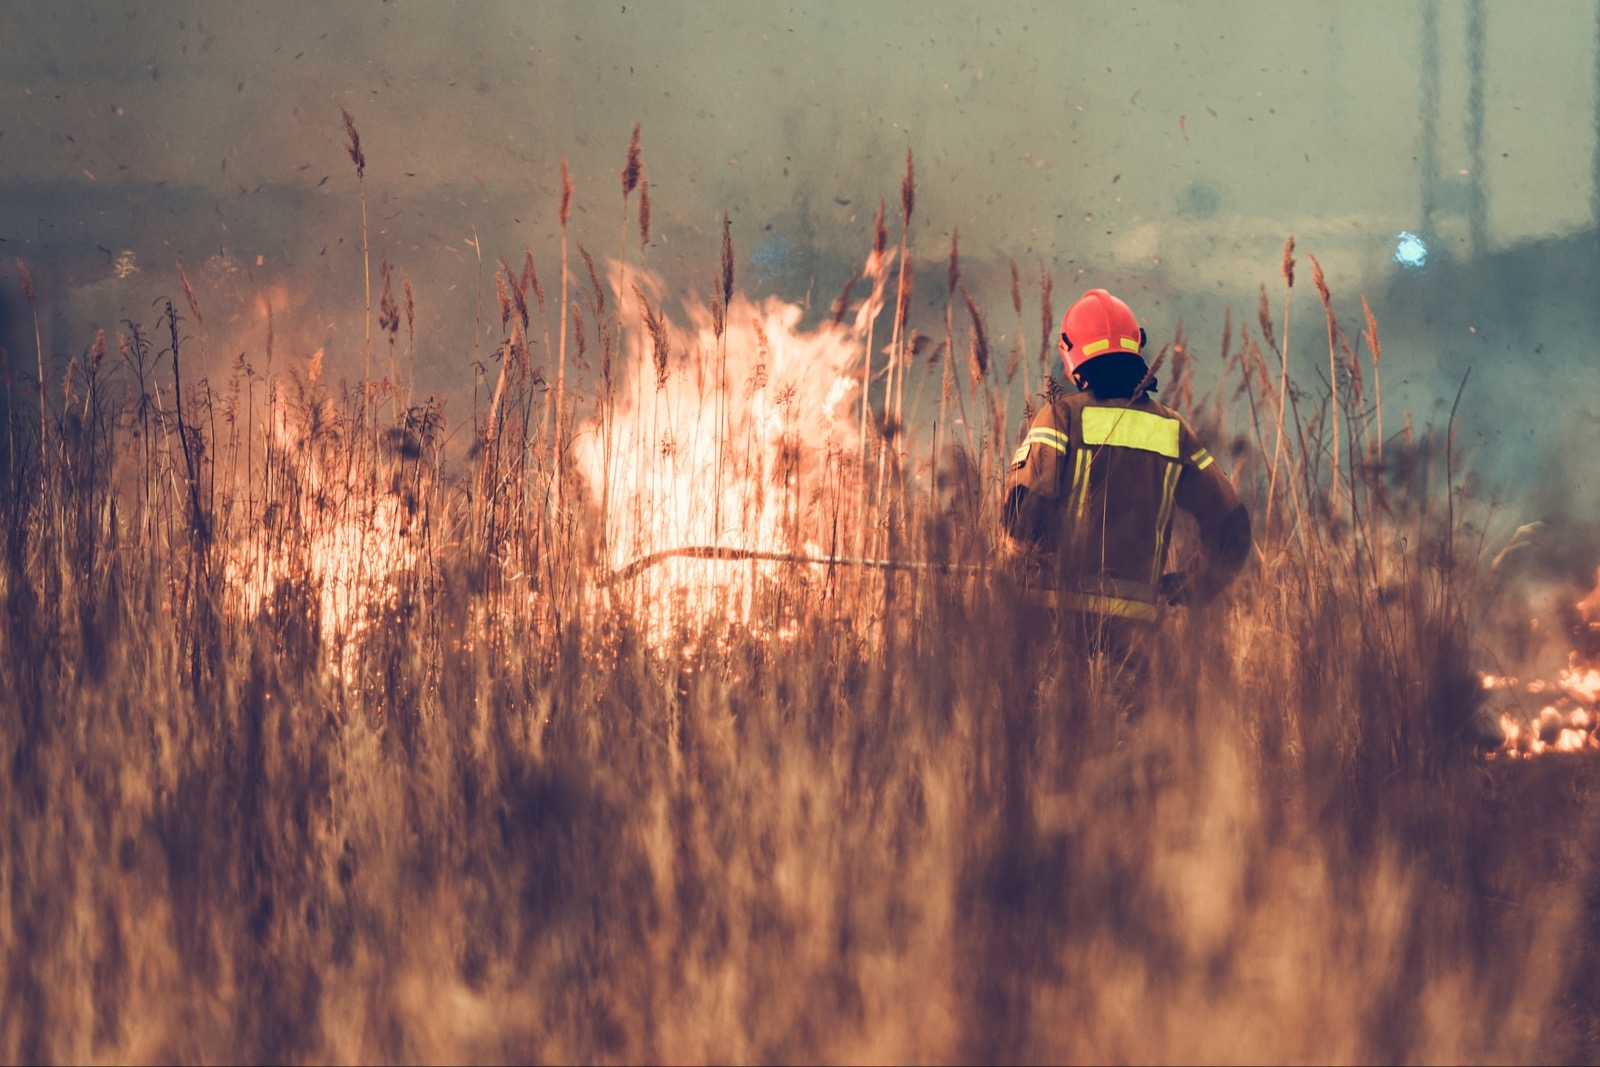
{"points": [[748, 441], [347, 541], [1569, 709]]}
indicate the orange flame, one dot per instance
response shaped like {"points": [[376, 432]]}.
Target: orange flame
{"points": [[1569, 705], [746, 442]]}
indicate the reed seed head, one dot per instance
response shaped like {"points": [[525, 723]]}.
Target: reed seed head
{"points": [[411, 307], [841, 303], [1149, 380], [188, 293], [388, 310], [644, 211], [980, 337], [902, 309], [727, 259], [1264, 319], [566, 193], [597, 295], [630, 169], [501, 294], [519, 291], [1320, 282], [1047, 312], [952, 275], [660, 341], [27, 281], [1288, 261], [1372, 331], [578, 334], [908, 192], [357, 156], [530, 278]]}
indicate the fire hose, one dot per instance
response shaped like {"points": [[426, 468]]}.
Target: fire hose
{"points": [[718, 552]]}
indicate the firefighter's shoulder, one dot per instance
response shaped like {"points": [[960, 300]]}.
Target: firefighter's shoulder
{"points": [[1192, 452], [1048, 436]]}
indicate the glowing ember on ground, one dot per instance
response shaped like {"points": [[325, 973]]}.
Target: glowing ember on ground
{"points": [[1568, 708]]}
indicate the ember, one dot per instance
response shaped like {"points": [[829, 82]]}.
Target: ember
{"points": [[1564, 717]]}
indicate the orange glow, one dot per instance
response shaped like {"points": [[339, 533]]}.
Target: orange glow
{"points": [[343, 546], [1568, 705], [748, 441]]}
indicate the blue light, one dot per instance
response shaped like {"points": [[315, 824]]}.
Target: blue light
{"points": [[1410, 250]]}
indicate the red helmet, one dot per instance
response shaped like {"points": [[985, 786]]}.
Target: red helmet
{"points": [[1096, 324]]}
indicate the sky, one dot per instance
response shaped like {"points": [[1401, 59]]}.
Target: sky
{"points": [[1163, 149]]}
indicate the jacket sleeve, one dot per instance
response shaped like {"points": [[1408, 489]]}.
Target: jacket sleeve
{"points": [[1224, 523], [1034, 480]]}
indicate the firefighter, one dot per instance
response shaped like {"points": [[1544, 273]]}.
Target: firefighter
{"points": [[1090, 493]]}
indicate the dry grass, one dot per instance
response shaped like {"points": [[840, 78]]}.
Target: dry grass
{"points": [[458, 799]]}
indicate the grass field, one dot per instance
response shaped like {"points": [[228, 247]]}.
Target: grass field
{"points": [[330, 739]]}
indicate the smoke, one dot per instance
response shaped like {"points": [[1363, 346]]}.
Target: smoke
{"points": [[1165, 151]]}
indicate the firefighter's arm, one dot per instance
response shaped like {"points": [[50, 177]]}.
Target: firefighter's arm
{"points": [[1224, 525], [1033, 482]]}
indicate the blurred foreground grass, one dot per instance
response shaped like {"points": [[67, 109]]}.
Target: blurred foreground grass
{"points": [[481, 805]]}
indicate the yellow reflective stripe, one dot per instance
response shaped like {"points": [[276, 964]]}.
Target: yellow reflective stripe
{"points": [[1169, 492], [1127, 428], [1045, 436], [1094, 348], [1080, 487], [1201, 459], [1108, 605]]}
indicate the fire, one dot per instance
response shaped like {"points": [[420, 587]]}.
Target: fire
{"points": [[348, 556], [1568, 707], [330, 531], [747, 440], [1566, 724]]}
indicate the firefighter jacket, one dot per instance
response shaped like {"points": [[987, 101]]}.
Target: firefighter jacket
{"points": [[1089, 500]]}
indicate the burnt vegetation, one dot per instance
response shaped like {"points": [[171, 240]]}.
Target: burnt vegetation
{"points": [[325, 743]]}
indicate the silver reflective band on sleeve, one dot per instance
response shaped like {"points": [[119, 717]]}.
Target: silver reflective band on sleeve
{"points": [[1201, 459], [1051, 438]]}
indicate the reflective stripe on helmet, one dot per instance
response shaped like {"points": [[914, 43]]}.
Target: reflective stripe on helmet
{"points": [[1124, 344], [1128, 428]]}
